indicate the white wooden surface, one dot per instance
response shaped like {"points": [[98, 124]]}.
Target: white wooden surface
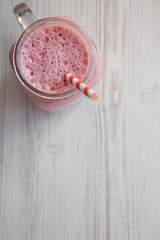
{"points": [[91, 172]]}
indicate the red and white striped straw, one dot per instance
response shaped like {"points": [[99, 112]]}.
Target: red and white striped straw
{"points": [[81, 86]]}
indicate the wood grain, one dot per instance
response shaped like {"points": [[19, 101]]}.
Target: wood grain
{"points": [[109, 187]]}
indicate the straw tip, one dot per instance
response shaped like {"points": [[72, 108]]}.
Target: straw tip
{"points": [[95, 97], [65, 74]]}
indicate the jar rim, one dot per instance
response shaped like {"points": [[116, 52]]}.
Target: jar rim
{"points": [[64, 21]]}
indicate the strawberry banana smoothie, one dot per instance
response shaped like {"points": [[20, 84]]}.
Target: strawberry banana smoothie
{"points": [[48, 49], [48, 53]]}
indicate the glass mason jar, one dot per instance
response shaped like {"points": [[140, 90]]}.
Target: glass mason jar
{"points": [[47, 100]]}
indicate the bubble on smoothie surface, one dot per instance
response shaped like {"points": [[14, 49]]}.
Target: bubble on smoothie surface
{"points": [[48, 53]]}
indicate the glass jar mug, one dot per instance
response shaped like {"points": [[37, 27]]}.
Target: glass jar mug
{"points": [[46, 49]]}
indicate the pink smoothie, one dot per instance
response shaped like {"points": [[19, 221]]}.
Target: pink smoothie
{"points": [[48, 53]]}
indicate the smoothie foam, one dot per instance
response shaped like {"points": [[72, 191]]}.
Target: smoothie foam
{"points": [[48, 53]]}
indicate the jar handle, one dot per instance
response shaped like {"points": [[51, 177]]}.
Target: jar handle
{"points": [[24, 15]]}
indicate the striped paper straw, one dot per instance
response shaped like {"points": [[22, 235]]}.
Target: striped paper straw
{"points": [[81, 86]]}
